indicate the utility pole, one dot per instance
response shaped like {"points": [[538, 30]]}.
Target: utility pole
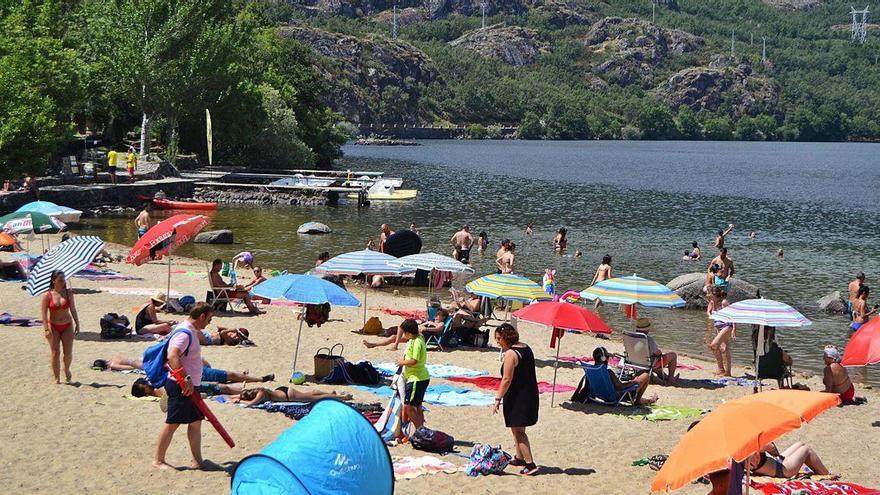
{"points": [[763, 49], [859, 27], [483, 6], [732, 43], [654, 11], [394, 22]]}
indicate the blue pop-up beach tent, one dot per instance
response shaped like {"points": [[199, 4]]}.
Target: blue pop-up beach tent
{"points": [[333, 450]]}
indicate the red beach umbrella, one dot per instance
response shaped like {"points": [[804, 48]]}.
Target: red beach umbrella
{"points": [[561, 316], [863, 348], [164, 238]]}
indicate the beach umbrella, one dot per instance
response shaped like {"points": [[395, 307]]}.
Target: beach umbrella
{"points": [[561, 316], [364, 262], [737, 429], [508, 287], [304, 289], [7, 239], [164, 238], [63, 213], [763, 312], [431, 262], [23, 222], [863, 348], [70, 257], [634, 290]]}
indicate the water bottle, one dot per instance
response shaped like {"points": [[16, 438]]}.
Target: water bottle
{"points": [[233, 277]]}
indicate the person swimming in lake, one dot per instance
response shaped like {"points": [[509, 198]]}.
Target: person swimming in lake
{"points": [[482, 242], [259, 395], [694, 254], [560, 242], [529, 230]]}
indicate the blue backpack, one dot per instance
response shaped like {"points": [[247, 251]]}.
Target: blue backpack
{"points": [[156, 356]]}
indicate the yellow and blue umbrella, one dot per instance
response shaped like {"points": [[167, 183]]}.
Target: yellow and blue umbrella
{"points": [[634, 290], [508, 287]]}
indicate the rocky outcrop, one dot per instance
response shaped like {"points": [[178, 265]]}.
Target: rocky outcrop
{"points": [[690, 288], [250, 197], [561, 13], [833, 303], [636, 48], [214, 237], [735, 88], [794, 4], [515, 45], [432, 9], [374, 80]]}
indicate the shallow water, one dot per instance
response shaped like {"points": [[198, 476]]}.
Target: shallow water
{"points": [[641, 202]]}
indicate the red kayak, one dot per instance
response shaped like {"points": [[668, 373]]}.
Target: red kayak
{"points": [[164, 204]]}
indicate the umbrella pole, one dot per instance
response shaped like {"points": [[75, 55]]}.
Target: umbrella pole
{"points": [[366, 288], [555, 369], [296, 349], [168, 287], [758, 354]]}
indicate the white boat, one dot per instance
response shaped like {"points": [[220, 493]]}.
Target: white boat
{"points": [[304, 180], [365, 181], [384, 189]]}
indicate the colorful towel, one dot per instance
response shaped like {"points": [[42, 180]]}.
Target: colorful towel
{"points": [[660, 413], [440, 395], [810, 487], [729, 382], [435, 370], [19, 321], [415, 314], [493, 382], [615, 361], [136, 291], [407, 468]]}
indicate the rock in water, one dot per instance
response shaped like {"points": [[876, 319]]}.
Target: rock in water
{"points": [[313, 228], [833, 303], [214, 237], [690, 288]]}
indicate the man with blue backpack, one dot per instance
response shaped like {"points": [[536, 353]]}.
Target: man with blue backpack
{"points": [[176, 363]]}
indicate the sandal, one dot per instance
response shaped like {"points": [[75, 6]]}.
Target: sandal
{"points": [[517, 462], [530, 469]]}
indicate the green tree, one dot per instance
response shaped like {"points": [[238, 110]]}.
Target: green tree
{"points": [[476, 131], [687, 124], [392, 105], [530, 127], [567, 120], [657, 122], [718, 129]]}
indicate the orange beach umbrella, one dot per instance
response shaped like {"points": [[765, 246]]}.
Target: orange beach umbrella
{"points": [[736, 430], [6, 239]]}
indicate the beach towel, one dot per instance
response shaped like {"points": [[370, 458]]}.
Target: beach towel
{"points": [[810, 487], [19, 321], [407, 468], [660, 413], [92, 272], [493, 382], [440, 395], [435, 370], [149, 398], [136, 291], [614, 361], [729, 382], [415, 314]]}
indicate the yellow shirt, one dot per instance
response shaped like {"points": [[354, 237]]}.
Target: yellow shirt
{"points": [[131, 161], [111, 158]]}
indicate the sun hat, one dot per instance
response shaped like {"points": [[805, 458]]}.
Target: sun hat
{"points": [[159, 299], [643, 323]]}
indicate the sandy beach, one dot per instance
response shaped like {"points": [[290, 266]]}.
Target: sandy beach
{"points": [[88, 438]]}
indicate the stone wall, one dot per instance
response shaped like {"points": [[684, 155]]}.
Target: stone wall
{"points": [[257, 197], [85, 197]]}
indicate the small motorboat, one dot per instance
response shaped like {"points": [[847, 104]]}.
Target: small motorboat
{"points": [[304, 180], [313, 228], [165, 204], [385, 189]]}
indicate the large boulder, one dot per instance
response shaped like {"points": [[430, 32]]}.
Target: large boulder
{"points": [[690, 288], [515, 45], [561, 13], [794, 4], [833, 303], [214, 237], [636, 48], [710, 88], [363, 72], [433, 9]]}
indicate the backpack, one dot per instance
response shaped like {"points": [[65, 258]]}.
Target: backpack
{"points": [[430, 440], [338, 374], [362, 373], [582, 392], [156, 356], [114, 326], [486, 459]]}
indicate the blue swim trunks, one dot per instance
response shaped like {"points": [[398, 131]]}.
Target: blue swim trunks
{"points": [[214, 375], [141, 231], [855, 326]]}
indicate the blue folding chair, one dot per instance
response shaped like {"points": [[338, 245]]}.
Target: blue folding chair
{"points": [[602, 388], [438, 338]]}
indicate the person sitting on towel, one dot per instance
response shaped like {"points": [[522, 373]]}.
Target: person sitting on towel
{"points": [[836, 378]]}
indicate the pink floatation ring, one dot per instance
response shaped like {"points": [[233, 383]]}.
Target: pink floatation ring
{"points": [[571, 296]]}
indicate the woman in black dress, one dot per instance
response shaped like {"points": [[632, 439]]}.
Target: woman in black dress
{"points": [[519, 391]]}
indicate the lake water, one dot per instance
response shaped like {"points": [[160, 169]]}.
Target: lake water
{"points": [[641, 202]]}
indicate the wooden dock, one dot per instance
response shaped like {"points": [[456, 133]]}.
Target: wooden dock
{"points": [[270, 188]]}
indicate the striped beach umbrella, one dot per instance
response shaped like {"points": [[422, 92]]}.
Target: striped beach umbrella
{"points": [[70, 257], [762, 312], [634, 290], [508, 287], [365, 262], [432, 261]]}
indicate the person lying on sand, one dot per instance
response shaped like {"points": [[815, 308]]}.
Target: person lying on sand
{"points": [[225, 336], [786, 464], [600, 356], [209, 374], [254, 396], [395, 335], [142, 388]]}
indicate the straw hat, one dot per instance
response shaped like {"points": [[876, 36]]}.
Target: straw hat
{"points": [[643, 324], [159, 299]]}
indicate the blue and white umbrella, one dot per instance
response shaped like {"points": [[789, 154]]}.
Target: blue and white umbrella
{"points": [[365, 262], [304, 289], [63, 213], [432, 261], [69, 257]]}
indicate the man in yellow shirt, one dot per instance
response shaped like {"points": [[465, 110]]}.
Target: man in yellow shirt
{"points": [[111, 165], [131, 163]]}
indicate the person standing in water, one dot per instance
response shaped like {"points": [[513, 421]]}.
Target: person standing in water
{"points": [[143, 220], [461, 244], [482, 242], [529, 230], [507, 261], [384, 233], [602, 273], [560, 242], [719, 240], [853, 291], [860, 313]]}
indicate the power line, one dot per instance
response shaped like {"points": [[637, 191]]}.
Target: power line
{"points": [[859, 26]]}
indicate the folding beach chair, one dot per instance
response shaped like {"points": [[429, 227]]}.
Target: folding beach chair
{"points": [[602, 388], [437, 338], [772, 366], [638, 354]]}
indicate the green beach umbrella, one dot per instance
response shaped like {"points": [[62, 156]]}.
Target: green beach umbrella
{"points": [[22, 222]]}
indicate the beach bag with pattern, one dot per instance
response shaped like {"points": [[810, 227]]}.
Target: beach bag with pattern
{"points": [[424, 438], [486, 459]]}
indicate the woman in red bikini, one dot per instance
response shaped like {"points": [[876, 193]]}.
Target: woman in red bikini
{"points": [[59, 315]]}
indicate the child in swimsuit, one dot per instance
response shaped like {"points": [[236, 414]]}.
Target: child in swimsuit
{"points": [[59, 314]]}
